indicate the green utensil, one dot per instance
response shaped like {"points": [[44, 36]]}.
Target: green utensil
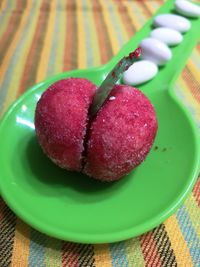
{"points": [[73, 207]]}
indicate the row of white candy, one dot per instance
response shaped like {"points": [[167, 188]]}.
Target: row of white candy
{"points": [[155, 51]]}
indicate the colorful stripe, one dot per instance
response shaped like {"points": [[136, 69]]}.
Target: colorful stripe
{"points": [[14, 57], [33, 57]]}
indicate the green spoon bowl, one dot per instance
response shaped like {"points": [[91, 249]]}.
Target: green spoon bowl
{"points": [[74, 207]]}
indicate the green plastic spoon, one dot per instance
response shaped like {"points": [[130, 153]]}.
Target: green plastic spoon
{"points": [[73, 207]]}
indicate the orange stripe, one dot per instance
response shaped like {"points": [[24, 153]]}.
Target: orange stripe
{"points": [[150, 251], [70, 54], [196, 191]]}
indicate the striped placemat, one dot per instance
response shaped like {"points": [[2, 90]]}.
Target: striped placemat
{"points": [[41, 38]]}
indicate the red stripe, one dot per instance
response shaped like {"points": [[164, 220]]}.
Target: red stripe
{"points": [[68, 41], [150, 251], [70, 255], [196, 191], [70, 53]]}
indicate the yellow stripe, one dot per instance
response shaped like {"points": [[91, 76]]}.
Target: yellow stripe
{"points": [[3, 5], [44, 59], [110, 27], [17, 73], [81, 37], [21, 245], [95, 46], [178, 243], [58, 65], [12, 47], [194, 213], [134, 253], [102, 256], [149, 7]]}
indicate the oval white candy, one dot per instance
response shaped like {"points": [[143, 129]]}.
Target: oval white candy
{"points": [[167, 35], [140, 72], [187, 8], [172, 21], [155, 51]]}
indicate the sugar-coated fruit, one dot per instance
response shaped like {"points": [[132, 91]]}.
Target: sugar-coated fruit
{"points": [[121, 135], [61, 118], [105, 147]]}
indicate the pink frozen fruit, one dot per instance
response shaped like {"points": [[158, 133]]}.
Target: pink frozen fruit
{"points": [[61, 119], [106, 147]]}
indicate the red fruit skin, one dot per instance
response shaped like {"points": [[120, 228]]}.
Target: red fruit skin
{"points": [[121, 135], [60, 121]]}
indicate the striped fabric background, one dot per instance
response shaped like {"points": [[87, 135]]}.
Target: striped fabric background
{"points": [[39, 38]]}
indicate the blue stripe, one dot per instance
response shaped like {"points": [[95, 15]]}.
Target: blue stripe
{"points": [[37, 249], [16, 56], [118, 252], [189, 234]]}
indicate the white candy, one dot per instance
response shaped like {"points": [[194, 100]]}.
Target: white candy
{"points": [[187, 8], [172, 21], [140, 72], [167, 35], [155, 51]]}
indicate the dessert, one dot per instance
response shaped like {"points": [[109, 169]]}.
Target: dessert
{"points": [[61, 119], [107, 146]]}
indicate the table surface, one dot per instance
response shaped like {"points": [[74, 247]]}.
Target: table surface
{"points": [[41, 38]]}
